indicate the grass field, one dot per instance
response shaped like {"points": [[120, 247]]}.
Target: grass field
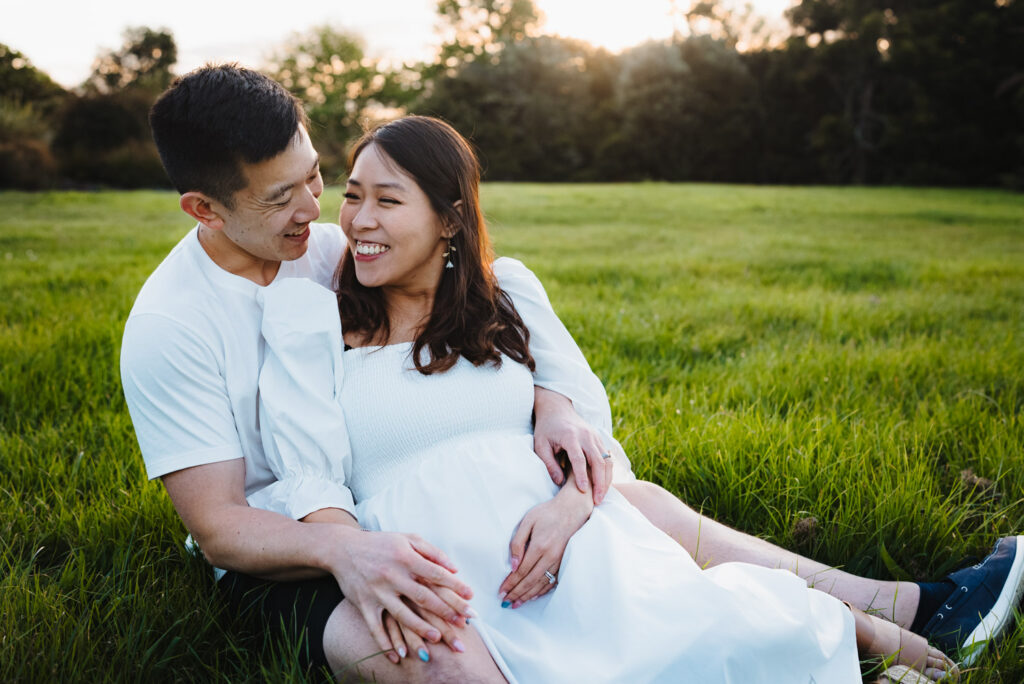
{"points": [[772, 355]]}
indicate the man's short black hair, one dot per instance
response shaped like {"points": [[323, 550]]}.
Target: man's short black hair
{"points": [[213, 119]]}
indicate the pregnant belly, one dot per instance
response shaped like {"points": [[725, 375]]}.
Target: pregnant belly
{"points": [[466, 497]]}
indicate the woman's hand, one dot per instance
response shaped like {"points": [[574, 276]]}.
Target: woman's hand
{"points": [[407, 643], [559, 428], [539, 542]]}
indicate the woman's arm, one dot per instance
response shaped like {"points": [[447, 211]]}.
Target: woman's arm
{"points": [[540, 541], [575, 392]]}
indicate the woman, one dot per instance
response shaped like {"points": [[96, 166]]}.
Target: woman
{"points": [[436, 388]]}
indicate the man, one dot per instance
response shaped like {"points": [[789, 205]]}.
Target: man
{"points": [[235, 145]]}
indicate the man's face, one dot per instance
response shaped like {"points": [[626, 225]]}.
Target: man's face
{"points": [[271, 216]]}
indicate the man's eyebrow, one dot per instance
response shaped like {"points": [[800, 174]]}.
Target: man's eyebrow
{"points": [[279, 191]]}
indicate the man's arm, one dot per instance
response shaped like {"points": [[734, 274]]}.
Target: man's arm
{"points": [[557, 427], [576, 403], [375, 570]]}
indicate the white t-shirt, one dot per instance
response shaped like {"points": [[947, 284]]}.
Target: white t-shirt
{"points": [[193, 350]]}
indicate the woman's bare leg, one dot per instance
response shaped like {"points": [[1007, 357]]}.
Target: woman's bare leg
{"points": [[711, 543], [878, 638], [350, 650]]}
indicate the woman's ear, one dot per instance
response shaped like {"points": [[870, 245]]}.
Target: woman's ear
{"points": [[450, 230], [202, 209]]}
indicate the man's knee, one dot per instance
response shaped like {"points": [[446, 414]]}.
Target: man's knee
{"points": [[354, 656], [447, 667]]}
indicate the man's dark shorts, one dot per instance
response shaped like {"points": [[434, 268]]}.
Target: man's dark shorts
{"points": [[301, 607]]}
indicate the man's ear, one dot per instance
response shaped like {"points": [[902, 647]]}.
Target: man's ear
{"points": [[202, 209]]}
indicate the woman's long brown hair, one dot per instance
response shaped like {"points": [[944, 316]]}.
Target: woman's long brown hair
{"points": [[471, 316]]}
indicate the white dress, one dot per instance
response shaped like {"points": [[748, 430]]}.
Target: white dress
{"points": [[449, 457]]}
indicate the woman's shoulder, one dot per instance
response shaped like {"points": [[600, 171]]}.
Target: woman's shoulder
{"points": [[514, 273], [520, 283]]}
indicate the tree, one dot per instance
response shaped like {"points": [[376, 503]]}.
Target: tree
{"points": [[688, 111], [915, 89], [472, 29], [27, 104], [342, 90], [20, 81], [144, 61], [738, 25], [537, 110]]}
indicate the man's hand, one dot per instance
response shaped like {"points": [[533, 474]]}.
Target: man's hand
{"points": [[404, 576], [539, 543], [375, 570], [559, 428]]}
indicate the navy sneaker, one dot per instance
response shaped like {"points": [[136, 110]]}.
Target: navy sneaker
{"points": [[982, 606]]}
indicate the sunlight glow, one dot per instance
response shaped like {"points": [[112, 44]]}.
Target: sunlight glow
{"points": [[616, 26]]}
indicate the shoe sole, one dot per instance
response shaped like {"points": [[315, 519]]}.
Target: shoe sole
{"points": [[995, 622]]}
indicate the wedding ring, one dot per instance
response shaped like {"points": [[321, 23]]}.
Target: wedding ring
{"points": [[551, 578], [606, 456]]}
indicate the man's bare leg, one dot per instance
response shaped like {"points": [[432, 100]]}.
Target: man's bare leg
{"points": [[711, 543], [349, 646]]}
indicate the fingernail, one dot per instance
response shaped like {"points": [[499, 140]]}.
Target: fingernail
{"points": [[393, 658], [517, 604], [502, 595], [506, 604], [515, 563], [424, 656], [458, 646], [433, 635], [402, 652], [470, 613]]}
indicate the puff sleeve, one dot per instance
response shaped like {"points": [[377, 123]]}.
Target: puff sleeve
{"points": [[561, 366], [302, 425]]}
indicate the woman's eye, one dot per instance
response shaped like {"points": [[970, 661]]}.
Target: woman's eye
{"points": [[351, 196], [388, 200]]}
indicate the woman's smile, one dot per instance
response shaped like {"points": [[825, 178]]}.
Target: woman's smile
{"points": [[368, 251]]}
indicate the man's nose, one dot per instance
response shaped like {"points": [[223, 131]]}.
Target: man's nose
{"points": [[309, 208]]}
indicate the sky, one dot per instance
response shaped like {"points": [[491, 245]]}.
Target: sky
{"points": [[62, 37]]}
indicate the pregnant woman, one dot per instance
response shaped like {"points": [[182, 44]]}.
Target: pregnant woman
{"points": [[435, 387]]}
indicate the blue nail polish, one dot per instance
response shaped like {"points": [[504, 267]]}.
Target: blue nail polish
{"points": [[506, 604], [424, 656]]}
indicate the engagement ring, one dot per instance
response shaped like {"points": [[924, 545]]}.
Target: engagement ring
{"points": [[551, 578]]}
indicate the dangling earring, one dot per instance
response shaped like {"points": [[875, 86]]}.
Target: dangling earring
{"points": [[447, 255]]}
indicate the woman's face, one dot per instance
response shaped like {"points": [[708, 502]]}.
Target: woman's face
{"points": [[394, 234]]}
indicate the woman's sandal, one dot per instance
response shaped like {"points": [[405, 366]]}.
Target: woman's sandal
{"points": [[912, 655]]}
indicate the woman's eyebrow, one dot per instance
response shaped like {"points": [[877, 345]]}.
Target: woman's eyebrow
{"points": [[394, 185]]}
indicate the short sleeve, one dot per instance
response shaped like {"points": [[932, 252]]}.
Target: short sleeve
{"points": [[176, 395], [302, 424], [561, 366]]}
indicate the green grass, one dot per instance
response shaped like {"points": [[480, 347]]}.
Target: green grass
{"points": [[771, 354]]}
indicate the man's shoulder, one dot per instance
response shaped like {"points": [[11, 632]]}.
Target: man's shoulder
{"points": [[326, 246], [174, 285]]}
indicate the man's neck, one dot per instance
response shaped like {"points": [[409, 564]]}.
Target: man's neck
{"points": [[228, 256]]}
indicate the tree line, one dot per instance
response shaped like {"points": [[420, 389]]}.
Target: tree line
{"points": [[858, 91]]}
